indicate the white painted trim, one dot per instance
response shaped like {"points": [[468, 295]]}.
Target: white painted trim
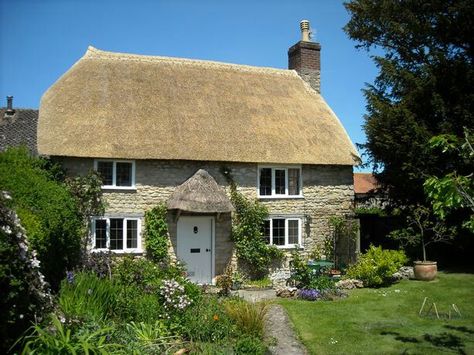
{"points": [[274, 195], [124, 250], [287, 218], [114, 174]]}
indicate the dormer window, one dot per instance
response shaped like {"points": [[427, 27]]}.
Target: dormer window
{"points": [[116, 174], [279, 182]]}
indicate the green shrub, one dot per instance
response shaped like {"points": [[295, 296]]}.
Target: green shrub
{"points": [[156, 233], [249, 345], [47, 209], [25, 297], [206, 321], [376, 267], [321, 283], [249, 317], [85, 296], [58, 339]]}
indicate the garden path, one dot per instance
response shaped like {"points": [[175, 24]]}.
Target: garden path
{"points": [[278, 327]]}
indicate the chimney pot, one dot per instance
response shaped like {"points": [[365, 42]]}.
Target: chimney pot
{"points": [[10, 110], [304, 25]]}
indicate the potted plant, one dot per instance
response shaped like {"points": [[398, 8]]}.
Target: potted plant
{"points": [[423, 229]]}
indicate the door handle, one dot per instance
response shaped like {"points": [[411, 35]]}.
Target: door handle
{"points": [[208, 250]]}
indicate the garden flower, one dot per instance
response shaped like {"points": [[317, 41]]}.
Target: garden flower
{"points": [[70, 277], [215, 317]]}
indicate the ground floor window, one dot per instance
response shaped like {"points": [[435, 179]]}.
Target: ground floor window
{"points": [[116, 234], [283, 232]]}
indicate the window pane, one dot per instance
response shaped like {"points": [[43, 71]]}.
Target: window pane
{"points": [[100, 233], [279, 182], [293, 181], [124, 174], [265, 182], [292, 231], [132, 234], [266, 231], [278, 231], [116, 233], [105, 169]]}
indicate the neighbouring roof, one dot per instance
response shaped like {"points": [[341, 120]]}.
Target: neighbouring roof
{"points": [[18, 129], [365, 183], [200, 193], [115, 105]]}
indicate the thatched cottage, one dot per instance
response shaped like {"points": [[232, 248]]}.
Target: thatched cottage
{"points": [[163, 129]]}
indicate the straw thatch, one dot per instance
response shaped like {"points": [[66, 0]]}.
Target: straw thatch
{"points": [[114, 105], [200, 193]]}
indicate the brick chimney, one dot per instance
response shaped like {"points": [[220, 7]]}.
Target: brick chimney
{"points": [[305, 58]]}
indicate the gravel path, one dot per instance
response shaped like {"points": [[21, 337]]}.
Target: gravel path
{"points": [[279, 330]]}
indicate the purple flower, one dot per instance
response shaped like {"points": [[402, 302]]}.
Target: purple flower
{"points": [[309, 294], [70, 277]]}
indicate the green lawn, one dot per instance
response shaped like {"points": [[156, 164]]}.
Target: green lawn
{"points": [[386, 321]]}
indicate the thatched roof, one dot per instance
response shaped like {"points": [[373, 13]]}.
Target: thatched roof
{"points": [[200, 193], [115, 105]]}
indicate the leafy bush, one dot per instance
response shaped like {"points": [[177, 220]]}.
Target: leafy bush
{"points": [[58, 339], [376, 267], [99, 263], [207, 321], [25, 297], [87, 297], [250, 244], [321, 283], [156, 233], [250, 346], [249, 317], [47, 210]]}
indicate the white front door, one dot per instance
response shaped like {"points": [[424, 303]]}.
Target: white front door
{"points": [[195, 242]]}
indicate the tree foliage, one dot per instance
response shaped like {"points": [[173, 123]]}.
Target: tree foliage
{"points": [[425, 87], [453, 191]]}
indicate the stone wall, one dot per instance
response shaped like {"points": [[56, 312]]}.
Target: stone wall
{"points": [[327, 191]]}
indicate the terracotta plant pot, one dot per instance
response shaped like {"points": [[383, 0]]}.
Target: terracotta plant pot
{"points": [[425, 270]]}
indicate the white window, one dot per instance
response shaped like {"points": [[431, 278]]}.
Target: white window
{"points": [[116, 174], [283, 232], [279, 182], [116, 234]]}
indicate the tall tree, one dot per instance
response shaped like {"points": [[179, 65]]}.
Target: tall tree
{"points": [[425, 87]]}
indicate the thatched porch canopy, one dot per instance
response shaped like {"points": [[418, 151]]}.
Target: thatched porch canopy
{"points": [[200, 193]]}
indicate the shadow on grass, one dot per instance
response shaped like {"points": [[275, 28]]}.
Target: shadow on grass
{"points": [[442, 340], [460, 329], [446, 340], [401, 338]]}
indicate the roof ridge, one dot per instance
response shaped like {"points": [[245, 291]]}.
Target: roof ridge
{"points": [[94, 53]]}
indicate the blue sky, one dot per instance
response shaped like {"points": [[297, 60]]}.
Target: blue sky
{"points": [[41, 39]]}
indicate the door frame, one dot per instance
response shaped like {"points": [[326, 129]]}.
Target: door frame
{"points": [[213, 240]]}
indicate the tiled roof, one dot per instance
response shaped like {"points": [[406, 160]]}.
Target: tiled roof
{"points": [[364, 183], [19, 129]]}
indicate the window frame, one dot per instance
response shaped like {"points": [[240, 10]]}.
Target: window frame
{"points": [[124, 249], [274, 195], [114, 185], [286, 218]]}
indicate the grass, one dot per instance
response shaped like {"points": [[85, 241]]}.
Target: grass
{"points": [[386, 320]]}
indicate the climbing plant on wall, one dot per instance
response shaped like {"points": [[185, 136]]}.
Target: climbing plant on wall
{"points": [[247, 234], [156, 233]]}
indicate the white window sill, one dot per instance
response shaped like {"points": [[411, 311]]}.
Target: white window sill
{"points": [[281, 197], [122, 188], [123, 251], [290, 246]]}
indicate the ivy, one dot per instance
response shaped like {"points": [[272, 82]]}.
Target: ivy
{"points": [[247, 234], [156, 233]]}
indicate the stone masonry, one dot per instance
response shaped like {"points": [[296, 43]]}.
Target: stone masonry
{"points": [[327, 191]]}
